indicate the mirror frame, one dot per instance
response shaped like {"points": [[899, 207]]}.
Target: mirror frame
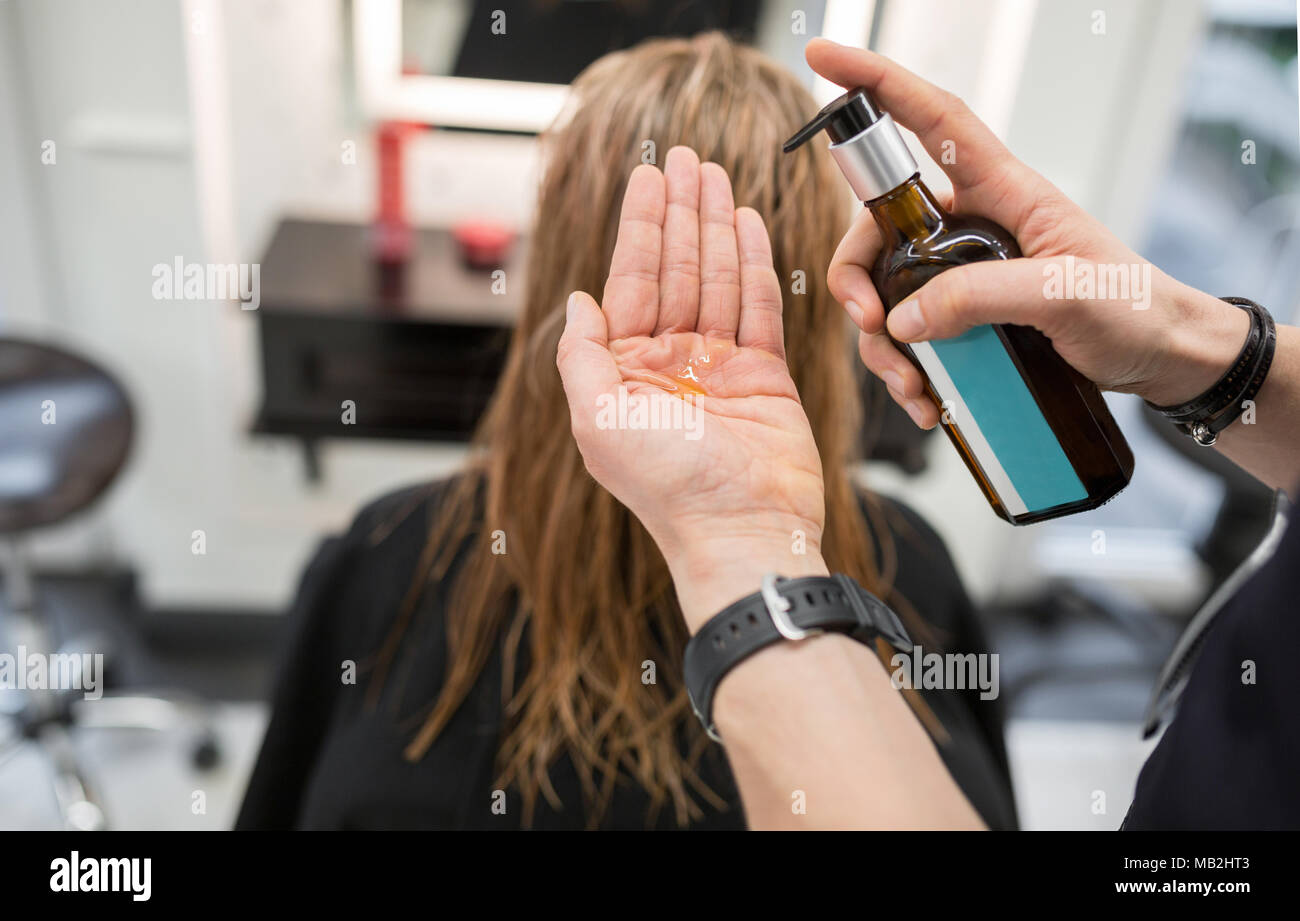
{"points": [[384, 92]]}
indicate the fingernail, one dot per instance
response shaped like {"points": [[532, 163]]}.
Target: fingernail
{"points": [[571, 307], [905, 320], [894, 381], [914, 410], [854, 312]]}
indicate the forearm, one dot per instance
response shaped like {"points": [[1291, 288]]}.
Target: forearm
{"points": [[817, 737], [816, 734], [1269, 447]]}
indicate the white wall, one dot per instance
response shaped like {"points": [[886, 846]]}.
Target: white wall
{"points": [[24, 296], [95, 82]]}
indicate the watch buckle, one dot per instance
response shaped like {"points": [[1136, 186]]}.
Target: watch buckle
{"points": [[778, 609]]}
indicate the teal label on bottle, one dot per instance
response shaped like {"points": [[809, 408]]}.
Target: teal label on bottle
{"points": [[992, 408]]}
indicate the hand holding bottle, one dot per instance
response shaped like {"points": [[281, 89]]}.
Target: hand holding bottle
{"points": [[1170, 351]]}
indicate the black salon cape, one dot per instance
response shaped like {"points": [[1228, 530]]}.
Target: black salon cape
{"points": [[1231, 757], [330, 761]]}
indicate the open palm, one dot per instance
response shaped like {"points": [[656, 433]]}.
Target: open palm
{"points": [[679, 394]]}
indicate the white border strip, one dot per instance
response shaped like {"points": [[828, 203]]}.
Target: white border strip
{"points": [[969, 428]]}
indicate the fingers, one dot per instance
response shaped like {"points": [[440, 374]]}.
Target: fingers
{"points": [[1013, 291], [586, 365], [938, 118], [719, 260], [631, 299], [760, 290], [848, 278], [679, 267], [850, 284], [885, 361], [900, 377], [935, 115]]}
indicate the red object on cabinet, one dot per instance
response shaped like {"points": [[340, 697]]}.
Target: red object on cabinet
{"points": [[392, 231]]}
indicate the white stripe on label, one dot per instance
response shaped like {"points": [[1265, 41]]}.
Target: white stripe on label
{"points": [[969, 429]]}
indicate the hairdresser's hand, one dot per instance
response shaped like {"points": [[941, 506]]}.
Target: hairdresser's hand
{"points": [[732, 488], [1168, 352]]}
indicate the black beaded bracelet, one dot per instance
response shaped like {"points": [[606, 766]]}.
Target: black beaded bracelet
{"points": [[1204, 417]]}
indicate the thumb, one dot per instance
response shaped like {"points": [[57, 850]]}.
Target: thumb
{"points": [[1011, 291], [586, 365]]}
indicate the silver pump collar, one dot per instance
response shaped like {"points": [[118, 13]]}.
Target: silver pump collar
{"points": [[876, 161]]}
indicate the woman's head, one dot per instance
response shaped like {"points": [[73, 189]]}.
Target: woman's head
{"points": [[732, 106], [581, 600]]}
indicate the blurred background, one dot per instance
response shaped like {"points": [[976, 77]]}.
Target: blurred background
{"points": [[376, 160]]}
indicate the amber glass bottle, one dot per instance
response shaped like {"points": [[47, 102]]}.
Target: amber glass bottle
{"points": [[1036, 435]]}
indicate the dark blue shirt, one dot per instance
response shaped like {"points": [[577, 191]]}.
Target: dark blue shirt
{"points": [[1231, 757]]}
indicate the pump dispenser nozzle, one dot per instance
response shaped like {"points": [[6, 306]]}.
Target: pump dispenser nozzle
{"points": [[864, 142]]}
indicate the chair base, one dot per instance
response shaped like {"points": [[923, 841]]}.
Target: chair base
{"points": [[51, 719], [54, 727]]}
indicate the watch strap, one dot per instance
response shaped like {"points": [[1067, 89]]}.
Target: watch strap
{"points": [[791, 609]]}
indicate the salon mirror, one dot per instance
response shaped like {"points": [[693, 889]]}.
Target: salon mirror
{"points": [[505, 65]]}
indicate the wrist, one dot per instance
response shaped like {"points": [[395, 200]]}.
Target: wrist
{"points": [[1206, 337], [710, 576]]}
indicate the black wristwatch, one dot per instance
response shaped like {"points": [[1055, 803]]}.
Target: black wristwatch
{"points": [[791, 609]]}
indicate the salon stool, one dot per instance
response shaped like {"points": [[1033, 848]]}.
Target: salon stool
{"points": [[67, 427]]}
